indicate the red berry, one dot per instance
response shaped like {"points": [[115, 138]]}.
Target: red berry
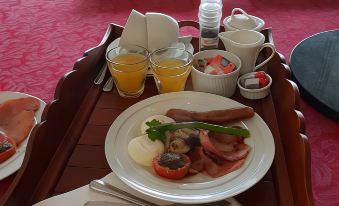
{"points": [[260, 74], [263, 82]]}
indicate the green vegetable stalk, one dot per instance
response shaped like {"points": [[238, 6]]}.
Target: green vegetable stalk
{"points": [[157, 130]]}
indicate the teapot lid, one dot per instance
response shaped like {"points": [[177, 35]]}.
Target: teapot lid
{"points": [[241, 21]]}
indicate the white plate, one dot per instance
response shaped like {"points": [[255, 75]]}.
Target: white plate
{"points": [[199, 188], [14, 163]]}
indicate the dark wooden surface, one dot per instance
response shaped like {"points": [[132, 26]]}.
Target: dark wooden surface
{"points": [[314, 63], [66, 149]]}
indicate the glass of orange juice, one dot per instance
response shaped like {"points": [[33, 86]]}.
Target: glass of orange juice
{"points": [[128, 65], [171, 67]]}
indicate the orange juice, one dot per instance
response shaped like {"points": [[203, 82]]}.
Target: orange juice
{"points": [[129, 72], [171, 74]]}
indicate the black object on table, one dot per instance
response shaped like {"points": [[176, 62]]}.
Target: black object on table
{"points": [[315, 68]]}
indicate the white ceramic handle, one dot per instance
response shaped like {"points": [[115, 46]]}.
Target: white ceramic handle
{"points": [[241, 11], [269, 58]]}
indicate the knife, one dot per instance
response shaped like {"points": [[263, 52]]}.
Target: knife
{"points": [[103, 187]]}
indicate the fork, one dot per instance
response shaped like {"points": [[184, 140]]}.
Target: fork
{"points": [[108, 189], [100, 77], [108, 85]]}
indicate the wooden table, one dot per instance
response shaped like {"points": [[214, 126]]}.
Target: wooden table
{"points": [[314, 63], [66, 150]]}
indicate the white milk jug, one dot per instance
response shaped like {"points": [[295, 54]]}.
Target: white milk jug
{"points": [[246, 44]]}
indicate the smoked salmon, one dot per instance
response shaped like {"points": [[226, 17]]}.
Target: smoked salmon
{"points": [[17, 117]]}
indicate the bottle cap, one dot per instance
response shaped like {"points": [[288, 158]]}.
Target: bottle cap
{"points": [[211, 1], [210, 14], [210, 7], [209, 19]]}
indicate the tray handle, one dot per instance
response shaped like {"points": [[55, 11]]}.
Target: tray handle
{"points": [[188, 23]]}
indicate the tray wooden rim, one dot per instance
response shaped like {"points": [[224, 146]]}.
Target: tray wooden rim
{"points": [[75, 121]]}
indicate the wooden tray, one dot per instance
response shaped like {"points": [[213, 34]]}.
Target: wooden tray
{"points": [[66, 150]]}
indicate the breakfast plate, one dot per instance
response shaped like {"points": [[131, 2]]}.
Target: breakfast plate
{"points": [[14, 162], [199, 188]]}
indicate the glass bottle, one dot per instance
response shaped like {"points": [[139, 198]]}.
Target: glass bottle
{"points": [[210, 12]]}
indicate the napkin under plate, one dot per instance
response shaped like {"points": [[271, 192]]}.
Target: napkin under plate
{"points": [[80, 196]]}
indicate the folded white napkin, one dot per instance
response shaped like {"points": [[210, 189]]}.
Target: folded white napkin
{"points": [[80, 196]]}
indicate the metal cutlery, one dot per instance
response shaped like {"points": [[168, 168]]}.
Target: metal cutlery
{"points": [[105, 203], [108, 85], [101, 76], [104, 187]]}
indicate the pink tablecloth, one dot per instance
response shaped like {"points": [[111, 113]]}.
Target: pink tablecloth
{"points": [[41, 40]]}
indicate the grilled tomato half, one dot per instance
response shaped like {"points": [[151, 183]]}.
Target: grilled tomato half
{"points": [[171, 165]]}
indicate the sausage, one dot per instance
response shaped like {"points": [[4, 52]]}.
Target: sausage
{"points": [[213, 116], [180, 115], [224, 115]]}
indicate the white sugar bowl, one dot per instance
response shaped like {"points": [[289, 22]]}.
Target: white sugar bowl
{"points": [[254, 93], [243, 21]]}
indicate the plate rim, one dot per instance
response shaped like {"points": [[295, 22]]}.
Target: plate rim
{"points": [[259, 172]]}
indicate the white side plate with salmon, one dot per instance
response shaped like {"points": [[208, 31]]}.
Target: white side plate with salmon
{"points": [[19, 113]]}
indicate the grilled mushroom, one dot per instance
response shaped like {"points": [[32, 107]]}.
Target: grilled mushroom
{"points": [[182, 140], [178, 145]]}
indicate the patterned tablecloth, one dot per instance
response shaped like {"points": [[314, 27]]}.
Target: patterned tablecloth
{"points": [[41, 40]]}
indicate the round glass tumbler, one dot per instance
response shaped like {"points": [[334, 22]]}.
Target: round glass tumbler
{"points": [[128, 65], [171, 67]]}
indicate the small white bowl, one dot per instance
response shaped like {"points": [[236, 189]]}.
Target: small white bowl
{"points": [[255, 93], [224, 84]]}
